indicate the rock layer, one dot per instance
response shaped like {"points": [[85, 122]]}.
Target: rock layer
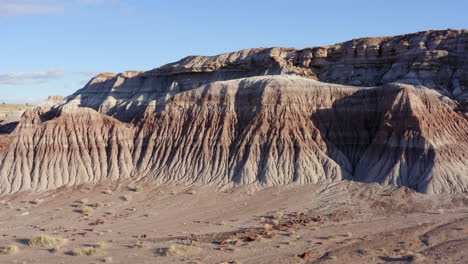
{"points": [[262, 116]]}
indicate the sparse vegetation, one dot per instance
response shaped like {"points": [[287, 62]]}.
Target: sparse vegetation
{"points": [[278, 215], [47, 241], [87, 251], [138, 244], [137, 189], [180, 250], [37, 201], [110, 212], [126, 198], [103, 245], [98, 205], [86, 210], [9, 250], [414, 256]]}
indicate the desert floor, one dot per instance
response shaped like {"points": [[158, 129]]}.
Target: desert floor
{"points": [[343, 222]]}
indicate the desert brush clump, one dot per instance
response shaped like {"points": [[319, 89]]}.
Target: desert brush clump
{"points": [[135, 188], [109, 212], [126, 197], [103, 245], [414, 256], [47, 241], [87, 251], [37, 201], [99, 205], [180, 250], [86, 210], [9, 250], [138, 244], [278, 215]]}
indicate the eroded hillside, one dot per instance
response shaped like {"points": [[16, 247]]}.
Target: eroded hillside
{"points": [[388, 110]]}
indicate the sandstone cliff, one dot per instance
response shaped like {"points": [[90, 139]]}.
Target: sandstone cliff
{"points": [[389, 110]]}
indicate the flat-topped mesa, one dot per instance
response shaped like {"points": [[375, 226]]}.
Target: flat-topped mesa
{"points": [[266, 116], [435, 59]]}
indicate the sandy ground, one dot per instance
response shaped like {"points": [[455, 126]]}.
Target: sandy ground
{"points": [[7, 108], [344, 222]]}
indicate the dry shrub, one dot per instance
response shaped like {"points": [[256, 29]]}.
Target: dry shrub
{"points": [[98, 205], [9, 250], [180, 250], [135, 188], [278, 215], [414, 257], [138, 244], [86, 210], [47, 241], [103, 245], [37, 201], [87, 251], [126, 198]]}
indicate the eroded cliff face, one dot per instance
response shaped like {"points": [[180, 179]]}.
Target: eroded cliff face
{"points": [[262, 116]]}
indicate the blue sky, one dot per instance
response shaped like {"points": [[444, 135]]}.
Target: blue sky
{"points": [[53, 47]]}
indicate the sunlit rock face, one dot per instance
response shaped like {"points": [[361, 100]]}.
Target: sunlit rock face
{"points": [[390, 110]]}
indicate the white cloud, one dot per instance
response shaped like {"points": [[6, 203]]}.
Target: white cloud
{"points": [[18, 78], [28, 7]]}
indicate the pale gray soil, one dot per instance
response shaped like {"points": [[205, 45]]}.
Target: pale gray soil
{"points": [[362, 223]]}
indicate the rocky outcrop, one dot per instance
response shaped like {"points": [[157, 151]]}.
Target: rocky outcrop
{"points": [[434, 59], [10, 115], [261, 116]]}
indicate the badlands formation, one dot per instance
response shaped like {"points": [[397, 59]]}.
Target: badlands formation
{"points": [[10, 114], [350, 153], [391, 110]]}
